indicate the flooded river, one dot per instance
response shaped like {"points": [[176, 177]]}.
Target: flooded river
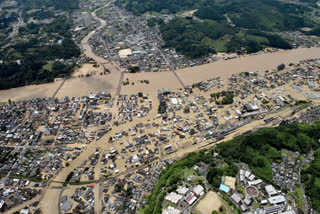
{"points": [[262, 62], [189, 76]]}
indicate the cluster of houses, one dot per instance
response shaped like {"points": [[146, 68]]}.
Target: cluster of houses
{"points": [[130, 42], [81, 200], [135, 105], [20, 191], [42, 135], [125, 193]]}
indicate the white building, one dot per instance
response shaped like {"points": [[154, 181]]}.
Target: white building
{"points": [[171, 210], [173, 197], [198, 190], [279, 199], [271, 190], [182, 190]]}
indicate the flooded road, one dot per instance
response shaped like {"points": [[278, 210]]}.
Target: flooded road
{"points": [[84, 42]]}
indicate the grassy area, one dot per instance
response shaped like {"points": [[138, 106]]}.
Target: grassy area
{"points": [[188, 171], [33, 179], [306, 167], [284, 151], [264, 172], [48, 66], [168, 203], [301, 157], [197, 179], [219, 44], [81, 183], [240, 189], [255, 204], [298, 197]]}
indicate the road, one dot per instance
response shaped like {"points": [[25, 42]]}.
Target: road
{"points": [[85, 41], [16, 27], [115, 71]]}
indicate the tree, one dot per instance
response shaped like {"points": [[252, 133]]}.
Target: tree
{"points": [[260, 162]]}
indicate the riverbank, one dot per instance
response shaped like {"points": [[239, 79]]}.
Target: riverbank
{"points": [[158, 80]]}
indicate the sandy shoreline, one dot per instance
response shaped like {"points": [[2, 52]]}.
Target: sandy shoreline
{"points": [[82, 86]]}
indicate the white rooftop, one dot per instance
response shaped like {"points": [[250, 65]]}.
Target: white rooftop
{"points": [[171, 210], [198, 190], [271, 190], [173, 197], [255, 182], [277, 199], [236, 197], [182, 190]]}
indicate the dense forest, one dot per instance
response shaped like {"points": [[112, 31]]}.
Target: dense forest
{"points": [[258, 150], [196, 39], [44, 56], [36, 63], [65, 5], [268, 15]]}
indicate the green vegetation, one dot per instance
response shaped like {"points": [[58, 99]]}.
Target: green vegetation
{"points": [[227, 97], [169, 179], [69, 176], [227, 26], [36, 60], [32, 179], [298, 197], [214, 174], [268, 15], [66, 5], [197, 39], [311, 177], [134, 69], [258, 150]]}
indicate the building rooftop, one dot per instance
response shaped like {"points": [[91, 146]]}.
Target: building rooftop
{"points": [[271, 190], [277, 199]]}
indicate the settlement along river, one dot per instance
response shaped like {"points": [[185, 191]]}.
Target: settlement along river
{"points": [[50, 202]]}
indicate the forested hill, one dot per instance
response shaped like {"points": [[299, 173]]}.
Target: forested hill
{"points": [[66, 5], [261, 148], [260, 14], [258, 150], [42, 49], [254, 23]]}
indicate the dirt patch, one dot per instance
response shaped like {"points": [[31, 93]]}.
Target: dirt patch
{"points": [[209, 203], [230, 182], [252, 191]]}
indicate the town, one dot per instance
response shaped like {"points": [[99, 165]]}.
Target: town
{"points": [[109, 151], [132, 126]]}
